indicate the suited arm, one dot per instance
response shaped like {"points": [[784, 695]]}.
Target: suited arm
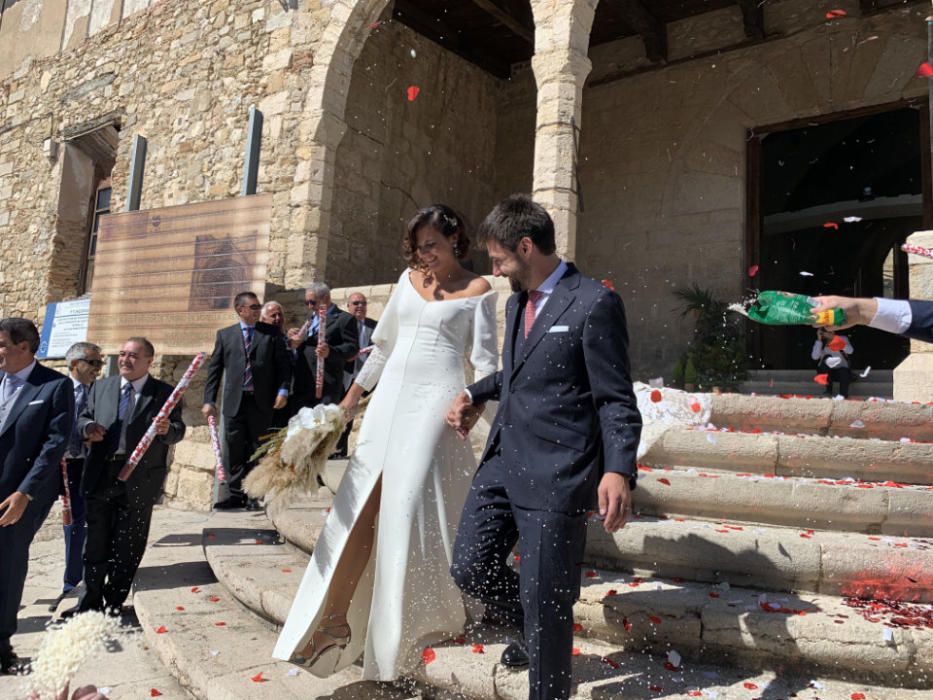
{"points": [[921, 323], [87, 414], [176, 426], [48, 461], [283, 365], [348, 344], [215, 369], [605, 352], [486, 389]]}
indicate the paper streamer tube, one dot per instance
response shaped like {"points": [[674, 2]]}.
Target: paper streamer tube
{"points": [[215, 445], [164, 412], [321, 340]]}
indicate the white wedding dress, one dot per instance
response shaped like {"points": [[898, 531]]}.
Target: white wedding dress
{"points": [[407, 599]]}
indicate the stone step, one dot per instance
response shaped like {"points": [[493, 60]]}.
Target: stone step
{"points": [[810, 388], [795, 455], [216, 647], [821, 504], [875, 376], [618, 614], [888, 420]]}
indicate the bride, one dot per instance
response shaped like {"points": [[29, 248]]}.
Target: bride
{"points": [[378, 582]]}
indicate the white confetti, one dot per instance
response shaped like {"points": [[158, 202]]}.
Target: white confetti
{"points": [[865, 373], [215, 652], [888, 634], [806, 274], [674, 658], [413, 54], [293, 672], [833, 362], [852, 219], [104, 690], [710, 439], [857, 424]]}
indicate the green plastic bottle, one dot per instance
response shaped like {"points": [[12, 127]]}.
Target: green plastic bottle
{"points": [[786, 309]]}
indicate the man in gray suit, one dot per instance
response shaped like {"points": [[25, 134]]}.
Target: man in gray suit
{"points": [[36, 413]]}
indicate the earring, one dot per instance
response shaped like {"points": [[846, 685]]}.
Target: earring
{"points": [[456, 250]]}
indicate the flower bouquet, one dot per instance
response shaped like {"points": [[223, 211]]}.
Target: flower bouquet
{"points": [[293, 458]]}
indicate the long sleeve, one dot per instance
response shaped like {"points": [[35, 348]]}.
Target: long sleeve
{"points": [[848, 349], [283, 364], [484, 351], [349, 343], [921, 322], [215, 369], [817, 350], [58, 433], [605, 352], [383, 340], [176, 428]]}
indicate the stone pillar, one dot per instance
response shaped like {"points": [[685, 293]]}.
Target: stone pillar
{"points": [[913, 378], [561, 65]]}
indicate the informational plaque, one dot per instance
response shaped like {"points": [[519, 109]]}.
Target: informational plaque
{"points": [[171, 274], [65, 324]]}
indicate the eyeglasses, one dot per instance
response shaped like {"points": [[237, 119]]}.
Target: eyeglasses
{"points": [[310, 302], [357, 303], [94, 363], [254, 307]]}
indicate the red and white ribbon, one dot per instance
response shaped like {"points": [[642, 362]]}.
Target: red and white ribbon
{"points": [[170, 403], [215, 445], [917, 250], [321, 341]]}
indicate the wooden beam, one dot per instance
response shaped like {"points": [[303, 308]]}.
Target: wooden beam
{"points": [[653, 31], [753, 16], [503, 17]]}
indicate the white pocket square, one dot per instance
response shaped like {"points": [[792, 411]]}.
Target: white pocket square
{"points": [[558, 329], [36, 403]]}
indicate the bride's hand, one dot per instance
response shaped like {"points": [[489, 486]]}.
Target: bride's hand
{"points": [[349, 408]]}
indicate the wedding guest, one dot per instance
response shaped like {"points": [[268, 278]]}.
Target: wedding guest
{"points": [[118, 413], [84, 365], [831, 351], [273, 314], [36, 416], [365, 326], [257, 371]]}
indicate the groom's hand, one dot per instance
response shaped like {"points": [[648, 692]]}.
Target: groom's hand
{"points": [[463, 415], [615, 500]]}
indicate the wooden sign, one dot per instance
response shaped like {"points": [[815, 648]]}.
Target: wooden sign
{"points": [[171, 274]]}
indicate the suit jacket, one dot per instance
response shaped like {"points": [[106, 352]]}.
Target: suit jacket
{"points": [[921, 326], [341, 336], [567, 410], [269, 359], [102, 407], [35, 435], [352, 368]]}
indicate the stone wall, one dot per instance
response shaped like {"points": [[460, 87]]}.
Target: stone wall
{"points": [[663, 152]]}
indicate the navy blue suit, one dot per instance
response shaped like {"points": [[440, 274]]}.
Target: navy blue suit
{"points": [[921, 326], [32, 442], [567, 414]]}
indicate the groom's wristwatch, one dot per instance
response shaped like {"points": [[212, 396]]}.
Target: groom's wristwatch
{"points": [[466, 391]]}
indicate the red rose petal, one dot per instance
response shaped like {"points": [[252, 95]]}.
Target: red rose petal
{"points": [[748, 685], [713, 594], [626, 625], [695, 694], [258, 541], [695, 407], [608, 285], [220, 623], [460, 640], [428, 655], [375, 25], [214, 598], [413, 91], [258, 678], [857, 696], [180, 608], [655, 688], [656, 396], [575, 651], [669, 666], [752, 270], [161, 629], [611, 592], [821, 379], [831, 224], [835, 14], [479, 649], [655, 619], [154, 693], [925, 70], [609, 662], [591, 574], [664, 481], [195, 589], [577, 627], [286, 570]]}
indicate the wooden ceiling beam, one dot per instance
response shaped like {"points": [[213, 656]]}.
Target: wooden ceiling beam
{"points": [[653, 31], [508, 20], [753, 17]]}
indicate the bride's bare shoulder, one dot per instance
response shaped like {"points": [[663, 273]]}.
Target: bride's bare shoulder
{"points": [[478, 285]]}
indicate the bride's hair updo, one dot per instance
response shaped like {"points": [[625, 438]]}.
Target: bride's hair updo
{"points": [[442, 219]]}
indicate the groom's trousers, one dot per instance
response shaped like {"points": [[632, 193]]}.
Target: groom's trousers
{"points": [[541, 595]]}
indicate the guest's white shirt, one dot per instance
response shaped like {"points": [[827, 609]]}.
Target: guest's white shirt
{"points": [[547, 287], [138, 384]]}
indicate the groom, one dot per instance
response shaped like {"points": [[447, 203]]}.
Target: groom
{"points": [[563, 439]]}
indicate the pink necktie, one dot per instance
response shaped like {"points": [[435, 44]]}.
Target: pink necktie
{"points": [[530, 312]]}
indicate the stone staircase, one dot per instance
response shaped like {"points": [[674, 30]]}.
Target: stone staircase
{"points": [[785, 552], [770, 382]]}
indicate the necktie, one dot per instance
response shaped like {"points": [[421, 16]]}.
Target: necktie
{"points": [[124, 413], [7, 396], [74, 447], [362, 337], [530, 311], [248, 368]]}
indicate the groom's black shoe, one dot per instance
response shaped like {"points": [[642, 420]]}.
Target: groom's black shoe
{"points": [[515, 655]]}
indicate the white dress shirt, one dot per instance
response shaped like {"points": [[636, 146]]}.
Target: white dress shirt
{"points": [[547, 287], [138, 385], [893, 315]]}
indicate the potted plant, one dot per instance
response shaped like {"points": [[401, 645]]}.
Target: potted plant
{"points": [[716, 355]]}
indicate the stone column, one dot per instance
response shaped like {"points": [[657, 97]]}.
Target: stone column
{"points": [[913, 378], [560, 64]]}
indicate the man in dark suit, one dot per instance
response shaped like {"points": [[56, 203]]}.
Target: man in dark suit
{"points": [[341, 343], [118, 413], [910, 317], [364, 333], [36, 416], [257, 372], [84, 365], [566, 432]]}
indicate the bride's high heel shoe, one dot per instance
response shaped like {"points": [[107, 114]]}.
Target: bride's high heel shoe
{"points": [[323, 661]]}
